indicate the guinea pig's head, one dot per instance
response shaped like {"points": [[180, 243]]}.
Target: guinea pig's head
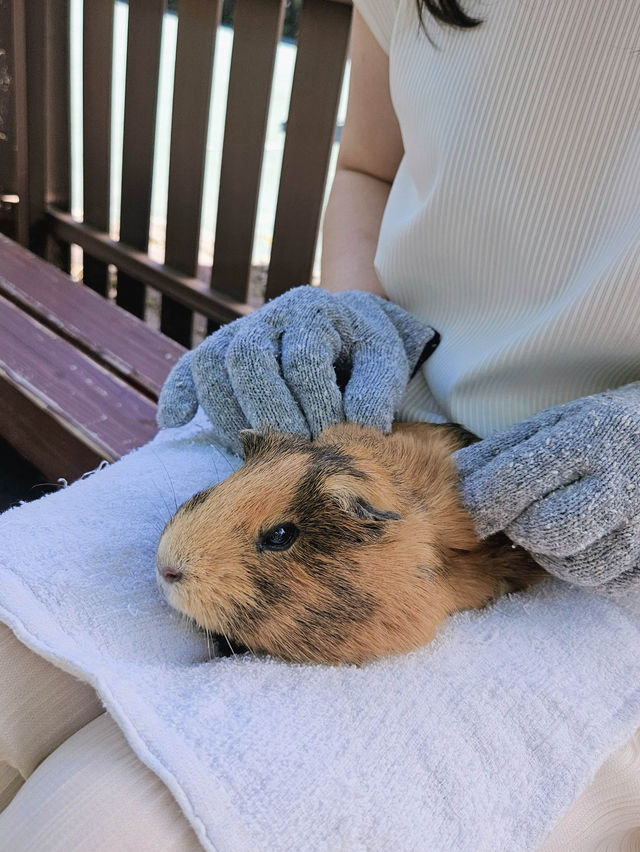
{"points": [[347, 548]]}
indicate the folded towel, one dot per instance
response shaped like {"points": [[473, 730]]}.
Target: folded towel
{"points": [[478, 742]]}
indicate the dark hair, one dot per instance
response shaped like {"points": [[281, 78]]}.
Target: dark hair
{"points": [[448, 12]]}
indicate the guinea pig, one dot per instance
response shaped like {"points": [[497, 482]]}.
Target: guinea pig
{"points": [[339, 550]]}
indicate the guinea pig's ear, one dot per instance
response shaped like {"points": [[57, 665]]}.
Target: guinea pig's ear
{"points": [[360, 508], [366, 512], [252, 442]]}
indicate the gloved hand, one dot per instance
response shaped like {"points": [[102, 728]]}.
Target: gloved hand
{"points": [[565, 485], [280, 367]]}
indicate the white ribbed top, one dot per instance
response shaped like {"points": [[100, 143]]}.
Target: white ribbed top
{"points": [[513, 224]]}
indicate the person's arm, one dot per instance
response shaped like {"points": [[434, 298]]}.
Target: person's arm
{"points": [[370, 153]]}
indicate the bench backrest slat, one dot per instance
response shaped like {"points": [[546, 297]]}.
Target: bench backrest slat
{"points": [[322, 44], [141, 95], [197, 25], [13, 119], [58, 135], [257, 27], [97, 55], [37, 146]]}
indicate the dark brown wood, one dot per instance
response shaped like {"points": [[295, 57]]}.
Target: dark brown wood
{"points": [[323, 40], [189, 291], [41, 437], [257, 27], [63, 386], [197, 24], [143, 61], [58, 121], [7, 101], [111, 336], [9, 197], [13, 120], [96, 125], [36, 121]]}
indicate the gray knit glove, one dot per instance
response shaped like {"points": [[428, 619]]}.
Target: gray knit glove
{"points": [[565, 485], [304, 361]]}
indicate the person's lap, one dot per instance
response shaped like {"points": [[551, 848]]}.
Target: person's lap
{"points": [[71, 781], [79, 784], [94, 793]]}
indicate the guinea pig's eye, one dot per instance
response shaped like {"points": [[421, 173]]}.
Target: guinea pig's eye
{"points": [[280, 537]]}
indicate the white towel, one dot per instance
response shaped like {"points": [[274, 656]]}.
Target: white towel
{"points": [[478, 742]]}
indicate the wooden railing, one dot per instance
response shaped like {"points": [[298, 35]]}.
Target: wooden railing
{"points": [[35, 150]]}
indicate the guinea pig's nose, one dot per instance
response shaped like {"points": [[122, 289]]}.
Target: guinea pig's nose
{"points": [[167, 563], [171, 574]]}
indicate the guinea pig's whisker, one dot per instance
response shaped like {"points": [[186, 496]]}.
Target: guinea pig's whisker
{"points": [[218, 478], [156, 518], [251, 651], [157, 529], [169, 515], [228, 643], [170, 481]]}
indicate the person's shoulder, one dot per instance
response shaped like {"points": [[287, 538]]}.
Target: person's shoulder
{"points": [[380, 16]]}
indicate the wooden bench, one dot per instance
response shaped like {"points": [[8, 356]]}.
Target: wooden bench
{"points": [[80, 375]]}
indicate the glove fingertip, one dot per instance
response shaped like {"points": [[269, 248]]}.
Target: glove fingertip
{"points": [[371, 416], [475, 501], [468, 459], [170, 416]]}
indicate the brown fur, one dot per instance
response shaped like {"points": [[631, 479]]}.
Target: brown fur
{"points": [[385, 552]]}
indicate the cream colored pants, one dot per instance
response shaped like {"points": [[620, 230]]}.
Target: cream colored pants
{"points": [[69, 781]]}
